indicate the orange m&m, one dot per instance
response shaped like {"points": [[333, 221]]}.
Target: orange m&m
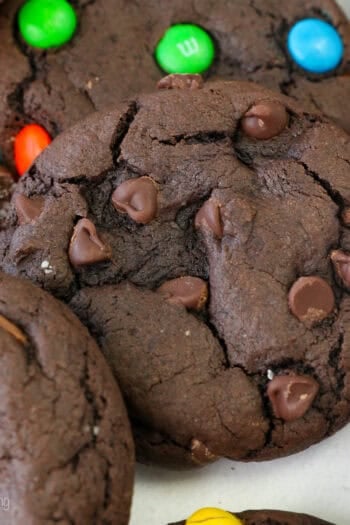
{"points": [[29, 143]]}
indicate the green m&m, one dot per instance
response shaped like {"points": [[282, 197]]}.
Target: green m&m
{"points": [[185, 48], [47, 23]]}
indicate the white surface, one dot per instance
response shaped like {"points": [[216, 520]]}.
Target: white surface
{"points": [[316, 481]]}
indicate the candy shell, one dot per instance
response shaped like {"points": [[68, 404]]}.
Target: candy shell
{"points": [[47, 23], [29, 143]]}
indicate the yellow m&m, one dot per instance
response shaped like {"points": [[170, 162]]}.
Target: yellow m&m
{"points": [[212, 516]]}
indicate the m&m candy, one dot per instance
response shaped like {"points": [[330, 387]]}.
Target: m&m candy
{"points": [[315, 45], [47, 23], [29, 143], [185, 48], [213, 516]]}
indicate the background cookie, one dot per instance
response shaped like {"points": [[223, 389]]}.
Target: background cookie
{"points": [[208, 516], [202, 238], [66, 447], [111, 56]]}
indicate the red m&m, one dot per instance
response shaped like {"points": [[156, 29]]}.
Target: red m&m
{"points": [[29, 143]]}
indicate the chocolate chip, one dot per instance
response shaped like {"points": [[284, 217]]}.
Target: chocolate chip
{"points": [[191, 292], [137, 198], [291, 396], [28, 209], [311, 299], [341, 263], [209, 217], [86, 247], [265, 120], [201, 454], [13, 330], [177, 81]]}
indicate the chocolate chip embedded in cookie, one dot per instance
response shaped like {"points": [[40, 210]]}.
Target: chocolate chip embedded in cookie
{"points": [[138, 198], [191, 292], [341, 263], [66, 445], [265, 120], [213, 516], [291, 396], [201, 454], [311, 299], [208, 217], [13, 330], [86, 247], [27, 209], [204, 265]]}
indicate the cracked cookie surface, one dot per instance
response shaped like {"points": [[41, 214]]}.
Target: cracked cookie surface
{"points": [[111, 57], [66, 446], [200, 257], [265, 517]]}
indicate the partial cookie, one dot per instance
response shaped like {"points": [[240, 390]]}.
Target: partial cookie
{"points": [[201, 236], [65, 442], [212, 516]]}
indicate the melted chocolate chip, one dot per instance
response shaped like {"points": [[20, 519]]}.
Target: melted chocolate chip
{"points": [[86, 247], [265, 120], [341, 263], [311, 299], [28, 209], [137, 198], [209, 218], [291, 396], [13, 330], [191, 292], [177, 81], [201, 454]]}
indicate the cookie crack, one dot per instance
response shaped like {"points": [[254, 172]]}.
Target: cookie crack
{"points": [[334, 363], [197, 138], [260, 13], [89, 395], [122, 130], [15, 99], [38, 67], [332, 193]]}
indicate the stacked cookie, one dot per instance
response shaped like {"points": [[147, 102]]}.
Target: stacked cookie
{"points": [[212, 516], [199, 232], [66, 446]]}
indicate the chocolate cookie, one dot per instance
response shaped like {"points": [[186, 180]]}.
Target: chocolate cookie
{"points": [[208, 516], [114, 53], [66, 447], [202, 237]]}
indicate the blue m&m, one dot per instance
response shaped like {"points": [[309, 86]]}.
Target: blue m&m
{"points": [[315, 45]]}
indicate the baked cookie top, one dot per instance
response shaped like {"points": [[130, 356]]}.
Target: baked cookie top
{"points": [[66, 446], [202, 236]]}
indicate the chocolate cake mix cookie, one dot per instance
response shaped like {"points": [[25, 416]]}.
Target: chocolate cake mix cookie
{"points": [[212, 516], [66, 447], [201, 235]]}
